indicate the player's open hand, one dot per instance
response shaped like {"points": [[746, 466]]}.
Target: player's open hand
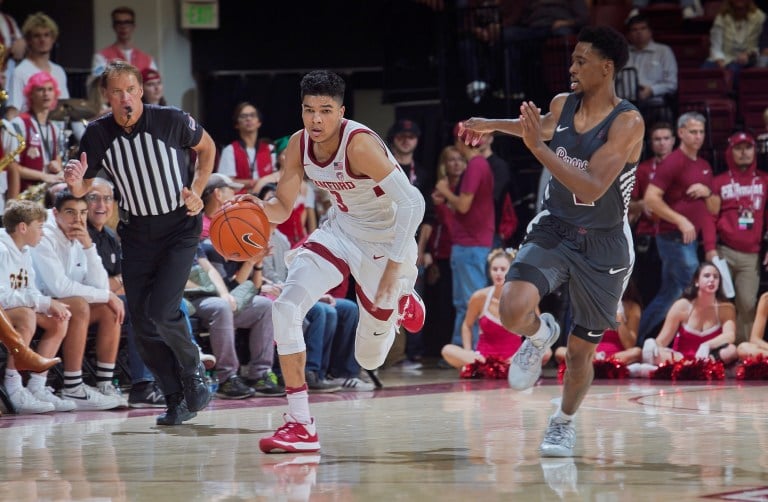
{"points": [[530, 120], [245, 197]]}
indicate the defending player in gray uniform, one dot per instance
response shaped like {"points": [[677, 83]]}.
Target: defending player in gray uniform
{"points": [[582, 236]]}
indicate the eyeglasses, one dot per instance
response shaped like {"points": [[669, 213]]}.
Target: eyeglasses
{"points": [[245, 116], [120, 22], [94, 198]]}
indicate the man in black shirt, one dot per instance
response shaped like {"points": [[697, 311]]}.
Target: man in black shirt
{"points": [[145, 151]]}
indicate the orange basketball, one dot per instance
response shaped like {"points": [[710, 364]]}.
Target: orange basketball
{"points": [[240, 231]]}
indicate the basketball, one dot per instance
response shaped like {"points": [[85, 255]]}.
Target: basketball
{"points": [[240, 231]]}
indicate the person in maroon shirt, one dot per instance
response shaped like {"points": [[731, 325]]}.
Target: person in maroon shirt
{"points": [[680, 194], [647, 264], [740, 196], [472, 229]]}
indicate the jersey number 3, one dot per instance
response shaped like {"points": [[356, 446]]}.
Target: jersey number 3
{"points": [[339, 201]]}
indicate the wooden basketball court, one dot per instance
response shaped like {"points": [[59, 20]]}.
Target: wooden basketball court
{"points": [[426, 436]]}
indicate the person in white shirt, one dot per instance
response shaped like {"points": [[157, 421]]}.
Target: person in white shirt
{"points": [[68, 267], [27, 308], [40, 32]]}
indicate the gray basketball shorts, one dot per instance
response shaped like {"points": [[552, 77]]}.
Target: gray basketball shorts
{"points": [[595, 264]]}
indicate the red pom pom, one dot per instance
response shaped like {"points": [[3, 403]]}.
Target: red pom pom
{"points": [[690, 369], [604, 368], [492, 368], [753, 369], [610, 368]]}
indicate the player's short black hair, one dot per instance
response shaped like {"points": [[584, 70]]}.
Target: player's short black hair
{"points": [[323, 83], [611, 44]]}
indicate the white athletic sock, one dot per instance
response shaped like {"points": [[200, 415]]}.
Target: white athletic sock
{"points": [[298, 404], [562, 417], [12, 381], [37, 381]]}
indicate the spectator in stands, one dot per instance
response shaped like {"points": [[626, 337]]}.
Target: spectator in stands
{"points": [[525, 34], [690, 8], [699, 325], [757, 345], [647, 263], [40, 161], [153, 87], [734, 37], [437, 257], [680, 194], [68, 267], [472, 228], [504, 195], [740, 194], [656, 70], [15, 45], [40, 32], [403, 139], [248, 160], [124, 24], [27, 308], [144, 392]]}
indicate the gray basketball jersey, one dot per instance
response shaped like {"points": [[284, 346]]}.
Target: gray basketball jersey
{"points": [[576, 149]]}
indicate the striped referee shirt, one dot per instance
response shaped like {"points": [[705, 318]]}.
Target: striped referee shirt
{"points": [[148, 166]]}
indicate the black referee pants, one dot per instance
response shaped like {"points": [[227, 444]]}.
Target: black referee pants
{"points": [[158, 252]]}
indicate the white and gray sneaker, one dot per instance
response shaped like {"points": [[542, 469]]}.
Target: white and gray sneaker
{"points": [[559, 439], [353, 384], [109, 389], [26, 404], [525, 366], [88, 398], [46, 394]]}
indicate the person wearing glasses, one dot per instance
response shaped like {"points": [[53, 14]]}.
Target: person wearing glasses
{"points": [[124, 24], [68, 268], [248, 160]]}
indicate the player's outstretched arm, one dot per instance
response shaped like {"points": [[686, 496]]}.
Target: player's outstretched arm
{"points": [[472, 129]]}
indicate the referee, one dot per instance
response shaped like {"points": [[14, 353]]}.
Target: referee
{"points": [[144, 151]]}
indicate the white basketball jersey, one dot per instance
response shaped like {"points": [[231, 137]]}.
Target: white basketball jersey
{"points": [[359, 206]]}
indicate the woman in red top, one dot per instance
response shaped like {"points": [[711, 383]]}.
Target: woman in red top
{"points": [[699, 325], [494, 340]]}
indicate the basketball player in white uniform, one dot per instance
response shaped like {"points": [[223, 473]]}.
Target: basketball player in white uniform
{"points": [[370, 233]]}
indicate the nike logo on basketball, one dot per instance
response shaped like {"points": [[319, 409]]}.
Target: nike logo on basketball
{"points": [[561, 128], [594, 334], [614, 271], [378, 334], [247, 240], [378, 257]]}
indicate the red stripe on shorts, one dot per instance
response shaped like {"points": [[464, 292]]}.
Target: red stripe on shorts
{"points": [[325, 253], [379, 314]]}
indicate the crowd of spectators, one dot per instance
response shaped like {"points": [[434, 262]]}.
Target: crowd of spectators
{"points": [[692, 222]]}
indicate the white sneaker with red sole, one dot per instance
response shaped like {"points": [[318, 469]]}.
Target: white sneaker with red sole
{"points": [[412, 312], [292, 437]]}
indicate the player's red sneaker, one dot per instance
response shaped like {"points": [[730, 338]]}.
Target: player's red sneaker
{"points": [[412, 310], [291, 437]]}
